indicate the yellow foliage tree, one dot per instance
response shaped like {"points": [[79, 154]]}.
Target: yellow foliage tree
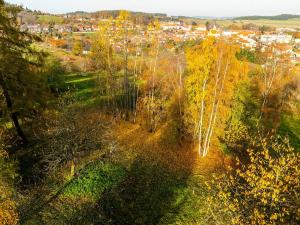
{"points": [[8, 207], [276, 86], [265, 191], [214, 71]]}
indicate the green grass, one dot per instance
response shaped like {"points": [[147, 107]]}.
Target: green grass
{"points": [[84, 34], [84, 95], [94, 180], [46, 19], [290, 126], [84, 89], [78, 77], [148, 192], [105, 193], [80, 80]]}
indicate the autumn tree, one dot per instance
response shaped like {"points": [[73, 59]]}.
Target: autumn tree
{"points": [[151, 101], [214, 72], [275, 84], [138, 65], [77, 47], [103, 59], [123, 26], [54, 72], [8, 175], [263, 191], [19, 62]]}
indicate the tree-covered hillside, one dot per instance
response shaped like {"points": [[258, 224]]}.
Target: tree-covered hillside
{"points": [[277, 17]]}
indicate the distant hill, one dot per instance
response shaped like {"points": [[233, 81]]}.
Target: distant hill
{"points": [[278, 17], [115, 13]]}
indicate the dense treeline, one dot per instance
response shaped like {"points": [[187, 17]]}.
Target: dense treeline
{"points": [[278, 17], [208, 94]]}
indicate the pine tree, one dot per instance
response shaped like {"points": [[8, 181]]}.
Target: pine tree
{"points": [[19, 63]]}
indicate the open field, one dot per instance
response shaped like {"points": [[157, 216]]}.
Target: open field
{"points": [[291, 23], [46, 19]]}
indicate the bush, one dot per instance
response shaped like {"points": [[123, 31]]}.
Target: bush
{"points": [[55, 75], [94, 180], [265, 191], [8, 208]]}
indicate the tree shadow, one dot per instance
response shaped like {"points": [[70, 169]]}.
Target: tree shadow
{"points": [[145, 196], [153, 189], [30, 168], [149, 191]]}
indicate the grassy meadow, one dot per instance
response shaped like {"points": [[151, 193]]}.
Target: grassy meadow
{"points": [[290, 23]]}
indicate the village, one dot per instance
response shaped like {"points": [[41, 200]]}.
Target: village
{"points": [[172, 30]]}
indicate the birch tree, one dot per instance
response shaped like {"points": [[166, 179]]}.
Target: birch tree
{"points": [[275, 86], [155, 53], [213, 73], [123, 26], [103, 59]]}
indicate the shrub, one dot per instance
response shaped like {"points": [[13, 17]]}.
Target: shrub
{"points": [[8, 208], [265, 191]]}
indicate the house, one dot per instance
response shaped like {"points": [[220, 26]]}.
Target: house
{"points": [[247, 42], [285, 29], [228, 33], [283, 49], [275, 38], [201, 28]]}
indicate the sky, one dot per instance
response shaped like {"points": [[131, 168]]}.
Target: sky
{"points": [[215, 8]]}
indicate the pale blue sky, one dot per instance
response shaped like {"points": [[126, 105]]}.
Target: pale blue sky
{"points": [[216, 8]]}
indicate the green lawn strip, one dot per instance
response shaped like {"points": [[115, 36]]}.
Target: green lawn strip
{"points": [[290, 126], [94, 180], [46, 19], [84, 94], [75, 76], [79, 80], [190, 203]]}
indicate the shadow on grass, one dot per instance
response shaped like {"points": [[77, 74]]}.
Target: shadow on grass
{"points": [[145, 194], [144, 197], [152, 191], [290, 127]]}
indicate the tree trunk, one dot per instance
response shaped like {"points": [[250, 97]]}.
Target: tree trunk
{"points": [[126, 87], [153, 125], [201, 119], [13, 115]]}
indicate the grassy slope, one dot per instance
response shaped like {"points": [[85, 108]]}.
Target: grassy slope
{"points": [[290, 127], [144, 180], [46, 19]]}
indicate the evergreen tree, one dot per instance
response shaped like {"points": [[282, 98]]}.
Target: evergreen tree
{"points": [[20, 84]]}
